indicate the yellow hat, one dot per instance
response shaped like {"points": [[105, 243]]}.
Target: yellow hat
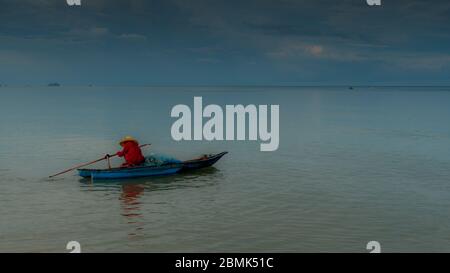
{"points": [[126, 139]]}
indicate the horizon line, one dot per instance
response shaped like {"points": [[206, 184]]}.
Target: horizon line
{"points": [[223, 85]]}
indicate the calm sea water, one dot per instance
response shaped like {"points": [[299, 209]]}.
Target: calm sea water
{"points": [[353, 166]]}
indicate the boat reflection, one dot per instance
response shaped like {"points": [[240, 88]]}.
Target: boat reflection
{"points": [[134, 205], [130, 200]]}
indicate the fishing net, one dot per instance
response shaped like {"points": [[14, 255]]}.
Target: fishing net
{"points": [[160, 159]]}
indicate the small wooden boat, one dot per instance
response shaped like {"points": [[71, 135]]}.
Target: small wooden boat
{"points": [[148, 171]]}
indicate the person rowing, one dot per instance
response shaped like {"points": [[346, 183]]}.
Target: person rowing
{"points": [[131, 152]]}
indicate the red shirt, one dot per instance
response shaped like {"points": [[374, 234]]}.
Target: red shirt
{"points": [[132, 153]]}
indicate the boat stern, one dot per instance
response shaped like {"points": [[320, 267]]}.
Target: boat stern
{"points": [[85, 173]]}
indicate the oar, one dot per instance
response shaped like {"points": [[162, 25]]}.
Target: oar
{"points": [[79, 166], [90, 163]]}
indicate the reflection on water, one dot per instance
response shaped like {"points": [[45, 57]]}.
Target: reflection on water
{"points": [[132, 190], [131, 206], [130, 200]]}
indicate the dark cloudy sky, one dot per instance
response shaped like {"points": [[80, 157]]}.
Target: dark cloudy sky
{"points": [[233, 42]]}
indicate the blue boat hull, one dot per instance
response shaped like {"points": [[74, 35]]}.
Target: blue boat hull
{"points": [[136, 172]]}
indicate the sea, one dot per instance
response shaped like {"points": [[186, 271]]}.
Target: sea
{"points": [[354, 165]]}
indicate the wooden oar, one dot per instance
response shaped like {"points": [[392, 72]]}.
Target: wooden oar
{"points": [[90, 163]]}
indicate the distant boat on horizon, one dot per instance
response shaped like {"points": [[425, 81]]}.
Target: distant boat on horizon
{"points": [[54, 84]]}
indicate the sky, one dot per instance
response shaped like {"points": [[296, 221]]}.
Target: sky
{"points": [[225, 42]]}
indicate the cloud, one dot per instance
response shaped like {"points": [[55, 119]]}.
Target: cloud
{"points": [[15, 58], [315, 50], [78, 35], [208, 60], [98, 31], [415, 61], [277, 35], [132, 36], [298, 50]]}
